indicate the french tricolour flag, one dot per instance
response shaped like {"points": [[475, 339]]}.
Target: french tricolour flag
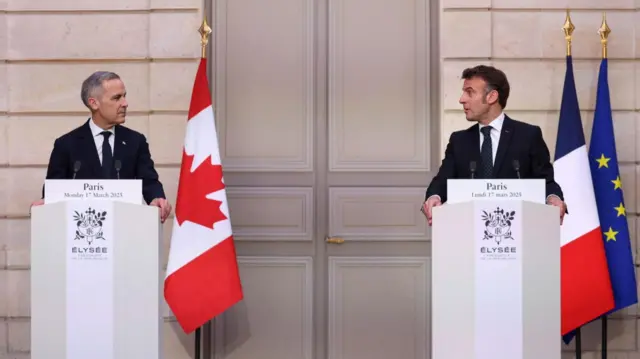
{"points": [[585, 284]]}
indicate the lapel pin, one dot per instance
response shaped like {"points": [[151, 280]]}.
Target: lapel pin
{"points": [[124, 143]]}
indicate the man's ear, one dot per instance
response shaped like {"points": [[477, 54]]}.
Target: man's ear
{"points": [[492, 97], [93, 103]]}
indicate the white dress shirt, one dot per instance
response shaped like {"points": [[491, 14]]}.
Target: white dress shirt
{"points": [[496, 128], [99, 138]]}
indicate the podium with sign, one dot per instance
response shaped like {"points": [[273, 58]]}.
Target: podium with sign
{"points": [[496, 272], [95, 272]]}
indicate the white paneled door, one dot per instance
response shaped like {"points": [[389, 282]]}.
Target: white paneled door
{"points": [[328, 115]]}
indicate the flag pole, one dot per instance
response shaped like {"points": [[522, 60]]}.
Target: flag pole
{"points": [[568, 29], [198, 342], [604, 32], [204, 31]]}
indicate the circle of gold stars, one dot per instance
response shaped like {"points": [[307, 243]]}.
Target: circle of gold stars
{"points": [[610, 234]]}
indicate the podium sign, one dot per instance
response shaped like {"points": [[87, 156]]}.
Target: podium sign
{"points": [[496, 275], [96, 287], [113, 190], [462, 190]]}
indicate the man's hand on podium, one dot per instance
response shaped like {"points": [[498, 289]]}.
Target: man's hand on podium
{"points": [[39, 202], [431, 202], [556, 201], [165, 208]]}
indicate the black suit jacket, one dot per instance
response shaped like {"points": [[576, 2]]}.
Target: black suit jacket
{"points": [[130, 147], [518, 141]]}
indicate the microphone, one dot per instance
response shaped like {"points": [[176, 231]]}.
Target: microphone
{"points": [[472, 168], [516, 166], [118, 166], [76, 168]]}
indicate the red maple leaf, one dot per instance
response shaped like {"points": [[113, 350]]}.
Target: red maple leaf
{"points": [[192, 203]]}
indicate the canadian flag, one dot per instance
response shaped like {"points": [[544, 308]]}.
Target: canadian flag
{"points": [[202, 278]]}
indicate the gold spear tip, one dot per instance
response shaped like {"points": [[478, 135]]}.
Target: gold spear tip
{"points": [[604, 30], [204, 31], [568, 27]]}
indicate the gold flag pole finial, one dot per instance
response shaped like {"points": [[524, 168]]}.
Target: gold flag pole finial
{"points": [[604, 32], [568, 32], [204, 31]]}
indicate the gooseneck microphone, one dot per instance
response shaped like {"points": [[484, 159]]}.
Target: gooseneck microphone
{"points": [[472, 168], [118, 165], [516, 166], [76, 168]]}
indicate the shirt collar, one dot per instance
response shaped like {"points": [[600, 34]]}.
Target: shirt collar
{"points": [[96, 131], [496, 124]]}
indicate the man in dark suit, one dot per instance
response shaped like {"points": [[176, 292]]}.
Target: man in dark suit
{"points": [[102, 142], [494, 143]]}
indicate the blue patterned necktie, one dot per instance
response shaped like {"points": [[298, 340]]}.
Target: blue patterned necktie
{"points": [[486, 153]]}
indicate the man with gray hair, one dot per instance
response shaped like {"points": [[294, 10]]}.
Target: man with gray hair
{"points": [[102, 141]]}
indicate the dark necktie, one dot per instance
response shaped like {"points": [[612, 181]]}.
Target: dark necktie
{"points": [[107, 156], [486, 153]]}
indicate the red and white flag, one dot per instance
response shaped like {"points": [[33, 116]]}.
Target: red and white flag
{"points": [[202, 278]]}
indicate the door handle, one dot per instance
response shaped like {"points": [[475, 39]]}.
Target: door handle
{"points": [[335, 240]]}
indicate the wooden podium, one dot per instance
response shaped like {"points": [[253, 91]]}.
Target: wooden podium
{"points": [[496, 272], [96, 283]]}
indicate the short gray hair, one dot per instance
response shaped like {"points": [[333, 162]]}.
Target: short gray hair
{"points": [[93, 83]]}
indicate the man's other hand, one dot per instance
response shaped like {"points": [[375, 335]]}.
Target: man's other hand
{"points": [[428, 205], [556, 201], [39, 202], [165, 208]]}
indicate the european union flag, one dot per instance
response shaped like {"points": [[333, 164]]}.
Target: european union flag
{"points": [[605, 174]]}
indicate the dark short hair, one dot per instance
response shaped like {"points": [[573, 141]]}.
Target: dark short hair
{"points": [[495, 79]]}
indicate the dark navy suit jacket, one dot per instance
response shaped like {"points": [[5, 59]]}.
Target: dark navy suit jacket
{"points": [[130, 148], [518, 141]]}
